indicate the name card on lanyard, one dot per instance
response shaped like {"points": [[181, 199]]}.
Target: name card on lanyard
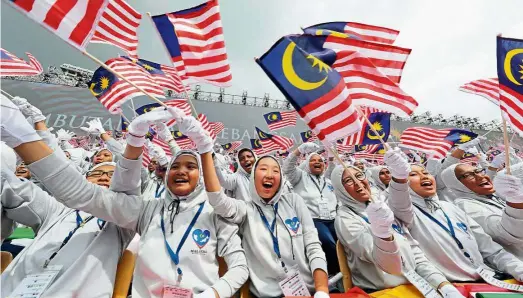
{"points": [[34, 285], [323, 205], [175, 291]]}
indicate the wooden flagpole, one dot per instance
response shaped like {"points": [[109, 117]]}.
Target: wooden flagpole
{"points": [[193, 109], [506, 143], [385, 146], [103, 65]]}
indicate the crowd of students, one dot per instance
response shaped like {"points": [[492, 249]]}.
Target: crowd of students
{"points": [[274, 222]]}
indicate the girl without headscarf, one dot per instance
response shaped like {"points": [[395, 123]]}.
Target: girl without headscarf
{"points": [[180, 235], [316, 189], [238, 182], [451, 240], [474, 193], [379, 249], [279, 238]]}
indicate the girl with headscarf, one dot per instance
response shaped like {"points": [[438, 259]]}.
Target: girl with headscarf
{"points": [[181, 235], [380, 251], [454, 242], [316, 189], [279, 238], [238, 182], [474, 193], [380, 176]]}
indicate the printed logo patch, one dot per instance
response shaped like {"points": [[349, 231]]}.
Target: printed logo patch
{"points": [[397, 228], [293, 224], [462, 226], [201, 237], [331, 188]]}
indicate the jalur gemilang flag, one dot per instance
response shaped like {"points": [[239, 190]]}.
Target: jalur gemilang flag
{"points": [[73, 21]]}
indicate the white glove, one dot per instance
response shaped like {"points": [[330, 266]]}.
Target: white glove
{"points": [[15, 129], [416, 156], [140, 125], [509, 187], [320, 294], [466, 146], [64, 135], [380, 218], [95, 127], [449, 291], [163, 132], [498, 160], [482, 159], [189, 126], [398, 165], [473, 150], [209, 293], [28, 110], [308, 147], [156, 152]]}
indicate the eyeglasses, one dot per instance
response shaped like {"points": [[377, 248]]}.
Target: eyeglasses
{"points": [[349, 181], [471, 175], [99, 173]]}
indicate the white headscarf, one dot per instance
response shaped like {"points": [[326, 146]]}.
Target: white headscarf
{"points": [[430, 203], [255, 197], [199, 187], [305, 165], [375, 176], [341, 193]]}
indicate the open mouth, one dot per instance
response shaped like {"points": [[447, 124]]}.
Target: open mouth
{"points": [[103, 184], [426, 183], [180, 181], [317, 166], [485, 183], [21, 171], [267, 185]]}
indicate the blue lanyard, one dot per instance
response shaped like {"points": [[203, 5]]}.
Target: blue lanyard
{"points": [[449, 230], [80, 222], [360, 215], [175, 256], [273, 230], [317, 185], [159, 194]]}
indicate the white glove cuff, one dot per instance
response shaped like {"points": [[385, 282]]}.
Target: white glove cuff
{"points": [[381, 232], [321, 294], [515, 199], [135, 141]]}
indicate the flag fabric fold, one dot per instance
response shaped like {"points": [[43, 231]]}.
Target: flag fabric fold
{"points": [[10, 65], [434, 142], [356, 30]]}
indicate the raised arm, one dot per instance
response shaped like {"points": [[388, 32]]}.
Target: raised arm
{"points": [[290, 166], [399, 197]]}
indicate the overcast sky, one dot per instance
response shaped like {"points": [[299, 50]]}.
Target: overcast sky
{"points": [[452, 41]]}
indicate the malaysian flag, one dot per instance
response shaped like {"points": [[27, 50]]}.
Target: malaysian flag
{"points": [[370, 152], [165, 76], [230, 147], [434, 142], [343, 146], [316, 91], [381, 124], [207, 126], [10, 65], [73, 21], [488, 88], [368, 86], [218, 127], [469, 158], [510, 70], [118, 26], [181, 104], [308, 136], [146, 158], [257, 147], [125, 124], [278, 120], [182, 140], [388, 59], [194, 37], [112, 92], [273, 142], [356, 30]]}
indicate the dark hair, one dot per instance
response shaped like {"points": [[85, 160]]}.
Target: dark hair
{"points": [[243, 150]]}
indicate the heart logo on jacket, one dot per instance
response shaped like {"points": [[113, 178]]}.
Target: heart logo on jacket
{"points": [[397, 228], [293, 224], [201, 237], [462, 226]]}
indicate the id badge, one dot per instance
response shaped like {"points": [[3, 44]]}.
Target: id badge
{"points": [[325, 212], [293, 285], [176, 292], [488, 275], [421, 284], [34, 285]]}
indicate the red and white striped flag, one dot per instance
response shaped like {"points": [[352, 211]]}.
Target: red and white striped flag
{"points": [[230, 147], [207, 126], [202, 44], [427, 140], [279, 120], [218, 127], [368, 86], [371, 32], [10, 65], [112, 92], [181, 104], [390, 60], [488, 88], [118, 26], [73, 21], [343, 146]]}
